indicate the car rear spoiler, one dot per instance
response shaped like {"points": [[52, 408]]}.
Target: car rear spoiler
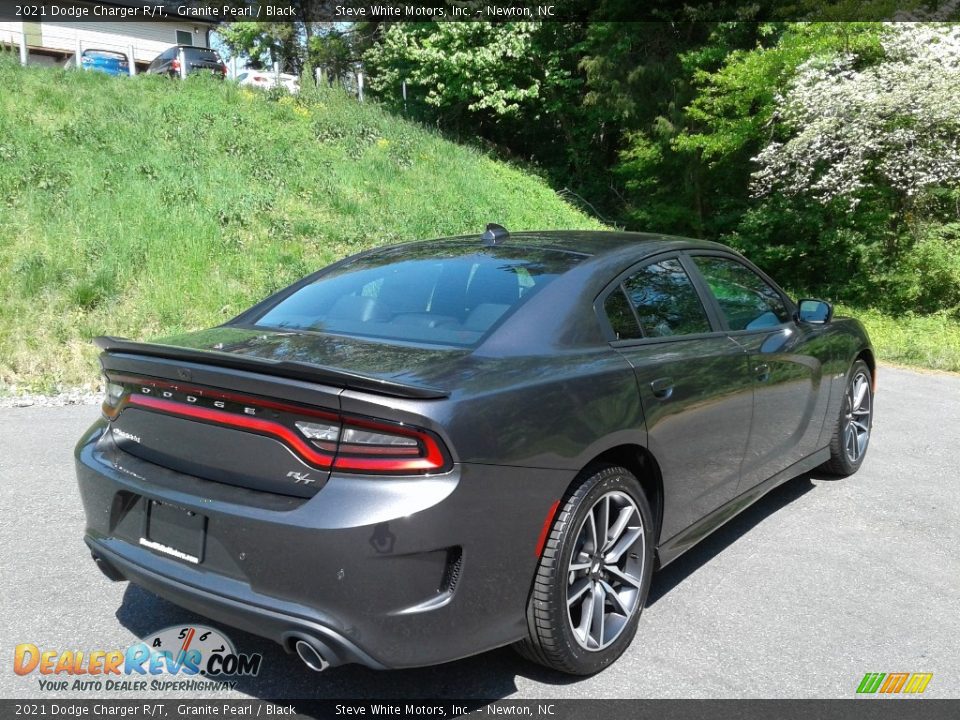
{"points": [[280, 368]]}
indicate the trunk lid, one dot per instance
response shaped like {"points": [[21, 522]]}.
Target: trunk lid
{"points": [[251, 407]]}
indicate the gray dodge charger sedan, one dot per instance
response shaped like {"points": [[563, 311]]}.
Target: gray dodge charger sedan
{"points": [[426, 451]]}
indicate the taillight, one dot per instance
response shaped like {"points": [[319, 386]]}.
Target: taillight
{"points": [[111, 399], [175, 65], [325, 439], [223, 69], [365, 445]]}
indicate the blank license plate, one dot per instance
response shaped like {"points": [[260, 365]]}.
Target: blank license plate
{"points": [[174, 531]]}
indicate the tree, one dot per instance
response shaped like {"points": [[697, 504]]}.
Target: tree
{"points": [[850, 128], [265, 43], [463, 69]]}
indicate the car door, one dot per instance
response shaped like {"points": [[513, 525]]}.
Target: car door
{"points": [[693, 384], [788, 400]]}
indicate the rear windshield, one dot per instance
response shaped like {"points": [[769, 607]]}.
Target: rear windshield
{"points": [[450, 295], [201, 55]]}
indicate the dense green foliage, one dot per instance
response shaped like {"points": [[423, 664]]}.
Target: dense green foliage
{"points": [[662, 127], [142, 206]]}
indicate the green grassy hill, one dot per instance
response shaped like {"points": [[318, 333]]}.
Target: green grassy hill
{"points": [[142, 206]]}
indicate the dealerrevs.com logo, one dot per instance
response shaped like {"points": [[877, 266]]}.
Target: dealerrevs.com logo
{"points": [[894, 683], [168, 660]]}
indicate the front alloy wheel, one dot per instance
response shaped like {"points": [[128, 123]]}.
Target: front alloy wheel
{"points": [[856, 433], [851, 434], [594, 575]]}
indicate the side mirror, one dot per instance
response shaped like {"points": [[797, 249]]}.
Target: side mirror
{"points": [[817, 312]]}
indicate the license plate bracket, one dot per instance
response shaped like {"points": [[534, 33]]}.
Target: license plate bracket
{"points": [[174, 531]]}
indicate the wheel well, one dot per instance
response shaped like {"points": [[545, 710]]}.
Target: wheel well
{"points": [[641, 463], [867, 356]]}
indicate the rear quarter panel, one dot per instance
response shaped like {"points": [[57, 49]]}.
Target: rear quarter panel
{"points": [[556, 411]]}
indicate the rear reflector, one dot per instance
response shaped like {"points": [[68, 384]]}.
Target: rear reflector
{"points": [[545, 530]]}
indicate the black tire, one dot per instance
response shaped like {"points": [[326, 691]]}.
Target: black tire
{"points": [[552, 640], [843, 461]]}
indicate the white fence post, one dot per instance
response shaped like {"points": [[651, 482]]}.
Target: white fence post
{"points": [[360, 85], [23, 48], [276, 73], [79, 51], [131, 59]]}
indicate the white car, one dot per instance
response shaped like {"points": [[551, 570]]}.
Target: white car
{"points": [[265, 80]]}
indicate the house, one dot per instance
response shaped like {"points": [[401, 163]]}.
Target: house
{"points": [[52, 41]]}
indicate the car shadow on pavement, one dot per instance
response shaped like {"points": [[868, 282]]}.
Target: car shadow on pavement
{"points": [[715, 543], [491, 675]]}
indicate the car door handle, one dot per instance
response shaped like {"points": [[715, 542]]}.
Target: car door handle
{"points": [[762, 371], [662, 388]]}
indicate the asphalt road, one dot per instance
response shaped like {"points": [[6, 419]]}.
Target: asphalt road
{"points": [[799, 596]]}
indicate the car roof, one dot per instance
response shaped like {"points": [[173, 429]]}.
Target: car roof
{"points": [[588, 243]]}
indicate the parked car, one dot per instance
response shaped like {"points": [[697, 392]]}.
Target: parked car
{"points": [[425, 451], [265, 80], [291, 82], [183, 60], [105, 61], [256, 78]]}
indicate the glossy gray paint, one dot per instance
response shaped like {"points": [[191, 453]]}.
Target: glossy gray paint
{"points": [[543, 395]]}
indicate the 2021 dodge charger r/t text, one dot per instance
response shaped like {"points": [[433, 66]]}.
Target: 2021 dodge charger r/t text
{"points": [[426, 451]]}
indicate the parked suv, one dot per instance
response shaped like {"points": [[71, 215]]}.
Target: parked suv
{"points": [[182, 60]]}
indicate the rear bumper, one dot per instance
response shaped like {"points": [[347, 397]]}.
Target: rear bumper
{"points": [[389, 573], [244, 614]]}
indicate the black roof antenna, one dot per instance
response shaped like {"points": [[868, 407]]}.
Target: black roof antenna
{"points": [[494, 234]]}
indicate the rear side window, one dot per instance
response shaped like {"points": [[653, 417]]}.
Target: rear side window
{"points": [[620, 315], [451, 295], [162, 57], [666, 302], [747, 300]]}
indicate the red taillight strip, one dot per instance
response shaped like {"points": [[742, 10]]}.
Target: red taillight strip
{"points": [[433, 460], [359, 460], [243, 422], [229, 396]]}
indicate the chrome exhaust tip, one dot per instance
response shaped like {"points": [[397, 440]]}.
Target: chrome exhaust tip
{"points": [[310, 656]]}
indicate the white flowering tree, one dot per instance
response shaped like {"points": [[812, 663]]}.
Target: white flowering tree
{"points": [[894, 124]]}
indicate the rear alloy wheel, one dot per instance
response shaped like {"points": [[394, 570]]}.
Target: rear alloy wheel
{"points": [[593, 577], [848, 446]]}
